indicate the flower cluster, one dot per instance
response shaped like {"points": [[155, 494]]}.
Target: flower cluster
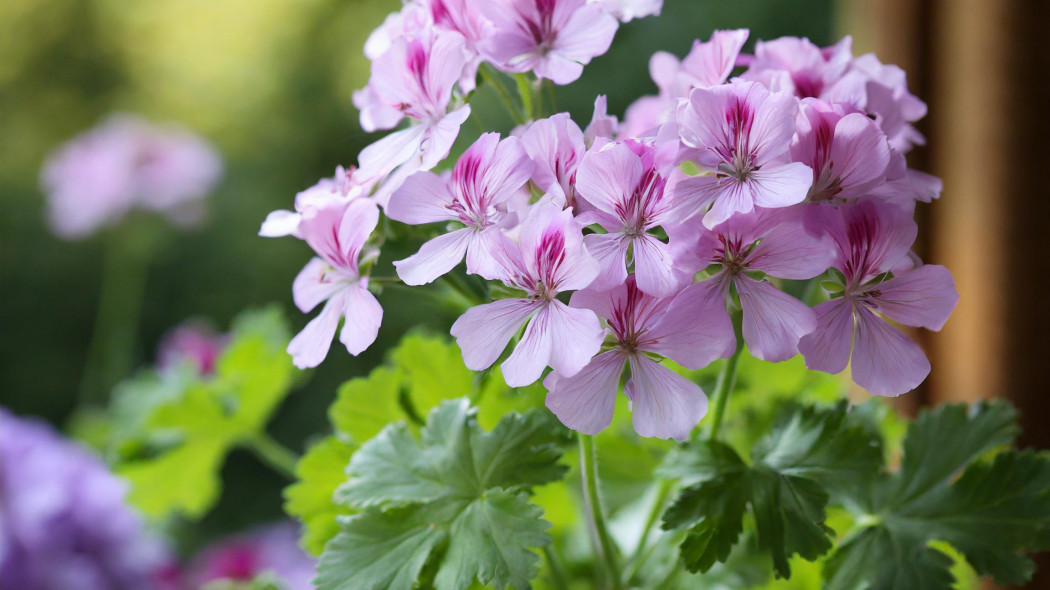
{"points": [[125, 163], [63, 519], [267, 551], [722, 208]]}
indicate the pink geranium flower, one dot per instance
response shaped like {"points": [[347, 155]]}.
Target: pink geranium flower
{"points": [[345, 185], [740, 133], [797, 66], [337, 231], [484, 178], [707, 64], [556, 146], [664, 404], [625, 183], [413, 78], [769, 242], [194, 344], [548, 259], [847, 151], [872, 254], [552, 38]]}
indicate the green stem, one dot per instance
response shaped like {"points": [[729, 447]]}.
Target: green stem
{"points": [[604, 543], [725, 383], [557, 571], [112, 347], [488, 77], [641, 553], [278, 457], [525, 92]]}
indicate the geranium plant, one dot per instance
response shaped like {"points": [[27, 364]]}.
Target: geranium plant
{"points": [[719, 256]]}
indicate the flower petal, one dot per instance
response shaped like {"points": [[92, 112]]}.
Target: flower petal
{"points": [[533, 352], [781, 186], [663, 403], [773, 320], [654, 268], [483, 331], [695, 329], [310, 346], [280, 223], [363, 316], [827, 348], [586, 401], [576, 335], [885, 361], [310, 287], [423, 198], [922, 297], [435, 258], [610, 251]]}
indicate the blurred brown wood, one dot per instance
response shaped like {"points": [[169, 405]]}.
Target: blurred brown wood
{"points": [[983, 68]]}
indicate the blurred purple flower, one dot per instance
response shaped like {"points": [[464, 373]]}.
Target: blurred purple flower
{"points": [[192, 343], [63, 520], [124, 163], [273, 549]]}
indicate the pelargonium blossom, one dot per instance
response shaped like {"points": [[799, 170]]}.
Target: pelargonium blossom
{"points": [[191, 343], [848, 153], [663, 403], [345, 185], [65, 520], [797, 66], [770, 242], [483, 179], [413, 78], [740, 134], [556, 145], [548, 259], [625, 183], [272, 550], [872, 254], [127, 163], [337, 231], [707, 64], [552, 38]]}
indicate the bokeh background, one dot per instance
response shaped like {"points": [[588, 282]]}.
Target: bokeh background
{"points": [[269, 82]]}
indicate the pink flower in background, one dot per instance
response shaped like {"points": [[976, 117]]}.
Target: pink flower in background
{"points": [[484, 178], [628, 10], [337, 232], [707, 64], [272, 550], [556, 146], [413, 78], [663, 403], [345, 185], [873, 239], [193, 343], [740, 133], [549, 259], [552, 38], [125, 163], [797, 66], [847, 151], [602, 125], [624, 182], [887, 98], [767, 241]]}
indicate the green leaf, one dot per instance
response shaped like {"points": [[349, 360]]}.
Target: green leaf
{"points": [[456, 496], [990, 513], [942, 442], [318, 473], [365, 405], [714, 510], [185, 479], [433, 370], [809, 450], [173, 441]]}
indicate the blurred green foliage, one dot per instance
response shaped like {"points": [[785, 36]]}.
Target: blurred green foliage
{"points": [[269, 82]]}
